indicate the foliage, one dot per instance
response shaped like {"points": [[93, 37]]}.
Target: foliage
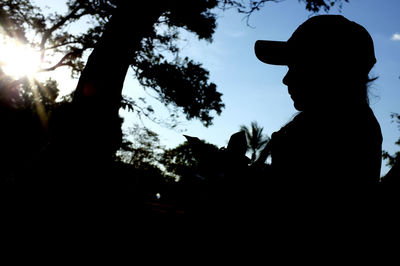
{"points": [[255, 5], [326, 5], [250, 6], [185, 85], [139, 159], [189, 158], [25, 108], [17, 16], [395, 158], [143, 150], [255, 138], [26, 93]]}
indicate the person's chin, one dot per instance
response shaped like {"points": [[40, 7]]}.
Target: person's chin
{"points": [[298, 106]]}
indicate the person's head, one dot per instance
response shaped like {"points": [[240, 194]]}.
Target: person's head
{"points": [[329, 58]]}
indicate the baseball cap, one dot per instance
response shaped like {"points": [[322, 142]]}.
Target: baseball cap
{"points": [[326, 38]]}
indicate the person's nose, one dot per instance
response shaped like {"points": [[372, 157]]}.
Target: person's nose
{"points": [[286, 78]]}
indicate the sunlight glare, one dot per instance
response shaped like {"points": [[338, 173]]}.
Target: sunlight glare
{"points": [[18, 60]]}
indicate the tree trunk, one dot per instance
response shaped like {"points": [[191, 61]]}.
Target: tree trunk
{"points": [[97, 98], [86, 134], [102, 79]]}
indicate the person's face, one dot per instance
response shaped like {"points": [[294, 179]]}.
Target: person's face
{"points": [[304, 82]]}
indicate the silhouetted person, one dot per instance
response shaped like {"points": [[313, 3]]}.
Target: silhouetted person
{"points": [[220, 182], [335, 139], [236, 161]]}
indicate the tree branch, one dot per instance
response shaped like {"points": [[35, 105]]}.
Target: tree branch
{"points": [[61, 44], [48, 32], [60, 63]]}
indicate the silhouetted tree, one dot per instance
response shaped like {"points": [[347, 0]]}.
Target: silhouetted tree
{"points": [[142, 149], [249, 6], [255, 138], [26, 93], [192, 158], [393, 159], [25, 109]]}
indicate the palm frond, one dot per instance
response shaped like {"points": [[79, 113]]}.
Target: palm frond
{"points": [[256, 140]]}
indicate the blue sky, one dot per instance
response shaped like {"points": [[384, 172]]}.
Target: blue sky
{"points": [[254, 91]]}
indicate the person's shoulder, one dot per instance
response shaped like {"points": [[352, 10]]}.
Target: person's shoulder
{"points": [[297, 121]]}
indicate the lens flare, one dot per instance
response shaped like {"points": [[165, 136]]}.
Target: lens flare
{"points": [[18, 60]]}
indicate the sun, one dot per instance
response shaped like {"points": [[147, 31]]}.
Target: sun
{"points": [[17, 59]]}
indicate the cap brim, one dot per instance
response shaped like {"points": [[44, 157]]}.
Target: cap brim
{"points": [[272, 52]]}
